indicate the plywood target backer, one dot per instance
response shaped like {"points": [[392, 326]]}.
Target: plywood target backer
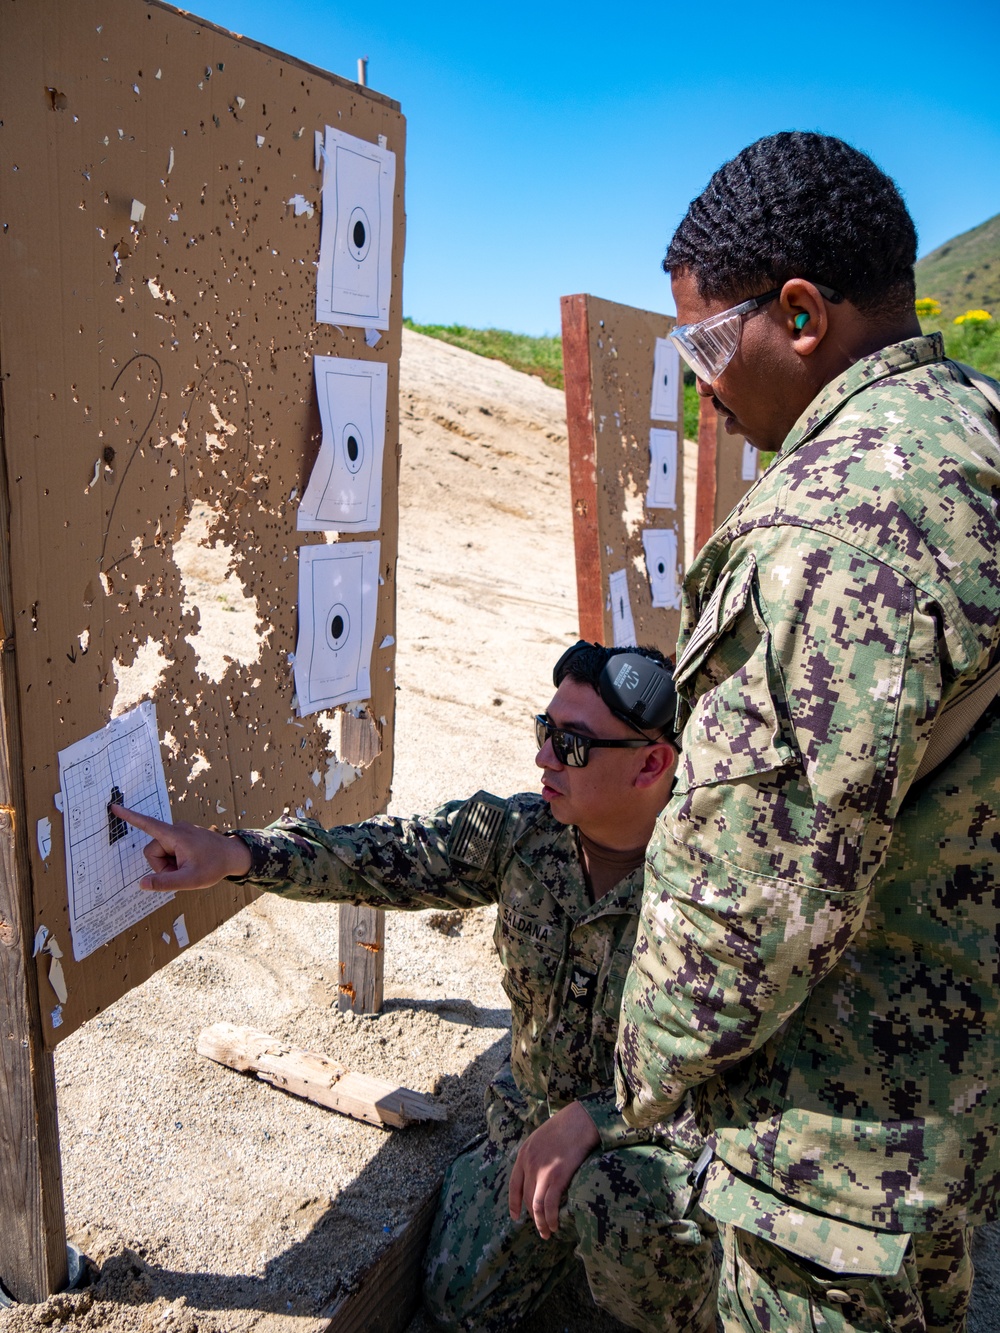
{"points": [[160, 313], [624, 408]]}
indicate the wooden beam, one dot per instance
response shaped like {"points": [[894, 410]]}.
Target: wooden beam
{"points": [[361, 945], [582, 465], [707, 485], [388, 1295], [316, 1077], [33, 1234]]}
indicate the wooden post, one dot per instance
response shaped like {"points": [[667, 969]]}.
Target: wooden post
{"points": [[363, 71], [707, 484], [361, 933], [582, 466], [33, 1234]]}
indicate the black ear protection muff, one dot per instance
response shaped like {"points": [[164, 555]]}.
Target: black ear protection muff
{"points": [[635, 688]]}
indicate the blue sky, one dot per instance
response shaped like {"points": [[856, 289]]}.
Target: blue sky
{"points": [[553, 149]]}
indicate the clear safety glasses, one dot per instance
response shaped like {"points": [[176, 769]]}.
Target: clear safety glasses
{"points": [[710, 345]]}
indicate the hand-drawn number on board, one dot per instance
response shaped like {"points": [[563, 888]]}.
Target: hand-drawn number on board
{"points": [[345, 488], [666, 381], [622, 623], [662, 492], [355, 251], [660, 545], [338, 601]]}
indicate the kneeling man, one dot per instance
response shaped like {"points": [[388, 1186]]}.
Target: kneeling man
{"points": [[557, 1172]]}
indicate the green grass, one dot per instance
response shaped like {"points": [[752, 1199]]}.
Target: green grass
{"points": [[976, 345], [964, 273], [535, 356]]}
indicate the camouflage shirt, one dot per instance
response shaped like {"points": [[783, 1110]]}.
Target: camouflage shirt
{"points": [[564, 957], [818, 942]]}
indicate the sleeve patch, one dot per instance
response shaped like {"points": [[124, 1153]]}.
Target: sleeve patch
{"points": [[477, 832]]}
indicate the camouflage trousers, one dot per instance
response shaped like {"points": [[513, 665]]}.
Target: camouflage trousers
{"points": [[624, 1216], [765, 1289]]}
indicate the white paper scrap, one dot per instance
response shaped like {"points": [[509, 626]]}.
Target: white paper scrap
{"points": [[164, 937], [58, 981], [750, 459], [104, 860], [44, 835], [318, 149], [181, 932], [387, 642], [372, 337], [301, 205], [138, 211], [260, 141], [660, 545], [623, 626], [662, 493], [58, 802], [56, 1016], [40, 935], [338, 601], [354, 278], [344, 493], [666, 381]]}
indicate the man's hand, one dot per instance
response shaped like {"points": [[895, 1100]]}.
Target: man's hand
{"points": [[546, 1163], [186, 856]]}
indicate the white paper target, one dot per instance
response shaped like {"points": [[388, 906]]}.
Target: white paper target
{"points": [[660, 545], [662, 492], [622, 624], [750, 460], [338, 601], [666, 381], [345, 487], [355, 251]]}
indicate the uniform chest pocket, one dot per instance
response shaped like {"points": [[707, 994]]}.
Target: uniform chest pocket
{"points": [[737, 717]]}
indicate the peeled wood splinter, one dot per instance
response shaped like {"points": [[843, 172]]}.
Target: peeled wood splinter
{"points": [[315, 1077]]}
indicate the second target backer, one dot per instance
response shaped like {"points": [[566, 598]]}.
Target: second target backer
{"points": [[344, 493]]}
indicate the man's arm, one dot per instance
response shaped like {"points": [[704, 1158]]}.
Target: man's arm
{"points": [[812, 707], [384, 862]]}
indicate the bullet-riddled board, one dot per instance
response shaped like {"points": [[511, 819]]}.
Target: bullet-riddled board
{"points": [[727, 467], [157, 329], [614, 440]]}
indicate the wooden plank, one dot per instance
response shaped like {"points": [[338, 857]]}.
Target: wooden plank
{"points": [[33, 1235], [708, 435], [582, 465], [361, 935], [316, 1077], [388, 1295]]}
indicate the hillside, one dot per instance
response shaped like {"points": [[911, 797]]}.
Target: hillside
{"points": [[964, 273]]}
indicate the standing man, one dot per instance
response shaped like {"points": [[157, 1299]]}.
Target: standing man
{"points": [[565, 869], [818, 947]]}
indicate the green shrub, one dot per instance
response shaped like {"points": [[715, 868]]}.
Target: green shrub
{"points": [[535, 356]]}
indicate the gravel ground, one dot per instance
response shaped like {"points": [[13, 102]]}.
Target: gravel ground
{"points": [[212, 1202]]}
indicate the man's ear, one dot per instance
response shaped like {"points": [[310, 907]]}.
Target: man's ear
{"points": [[658, 761], [804, 314]]}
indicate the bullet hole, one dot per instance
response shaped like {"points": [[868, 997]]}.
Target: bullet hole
{"points": [[109, 454], [57, 101]]}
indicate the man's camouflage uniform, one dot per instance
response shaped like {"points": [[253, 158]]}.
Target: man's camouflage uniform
{"points": [[628, 1213], [819, 942]]}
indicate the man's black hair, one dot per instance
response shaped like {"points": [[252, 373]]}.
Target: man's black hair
{"points": [[800, 205]]}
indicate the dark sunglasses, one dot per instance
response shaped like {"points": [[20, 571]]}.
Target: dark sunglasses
{"points": [[572, 749]]}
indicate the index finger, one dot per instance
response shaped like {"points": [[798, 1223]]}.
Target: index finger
{"points": [[145, 823]]}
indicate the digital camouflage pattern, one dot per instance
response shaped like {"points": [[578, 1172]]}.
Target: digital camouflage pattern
{"points": [[564, 960], [629, 1215], [817, 949], [764, 1289]]}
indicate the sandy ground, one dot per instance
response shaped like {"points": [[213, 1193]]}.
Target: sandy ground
{"points": [[214, 1203]]}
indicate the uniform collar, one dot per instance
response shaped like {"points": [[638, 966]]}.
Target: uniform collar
{"points": [[564, 878], [895, 359]]}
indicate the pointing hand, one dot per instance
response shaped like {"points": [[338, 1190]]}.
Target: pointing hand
{"points": [[186, 856]]}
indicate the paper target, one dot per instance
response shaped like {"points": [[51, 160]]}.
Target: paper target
{"points": [[338, 602], [344, 493], [666, 381], [662, 492], [120, 764], [751, 458], [660, 545], [355, 251], [623, 626]]}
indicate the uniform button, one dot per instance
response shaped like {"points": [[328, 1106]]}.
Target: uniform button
{"points": [[838, 1296]]}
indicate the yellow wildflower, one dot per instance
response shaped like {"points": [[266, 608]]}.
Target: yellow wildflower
{"points": [[973, 317], [928, 307]]}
